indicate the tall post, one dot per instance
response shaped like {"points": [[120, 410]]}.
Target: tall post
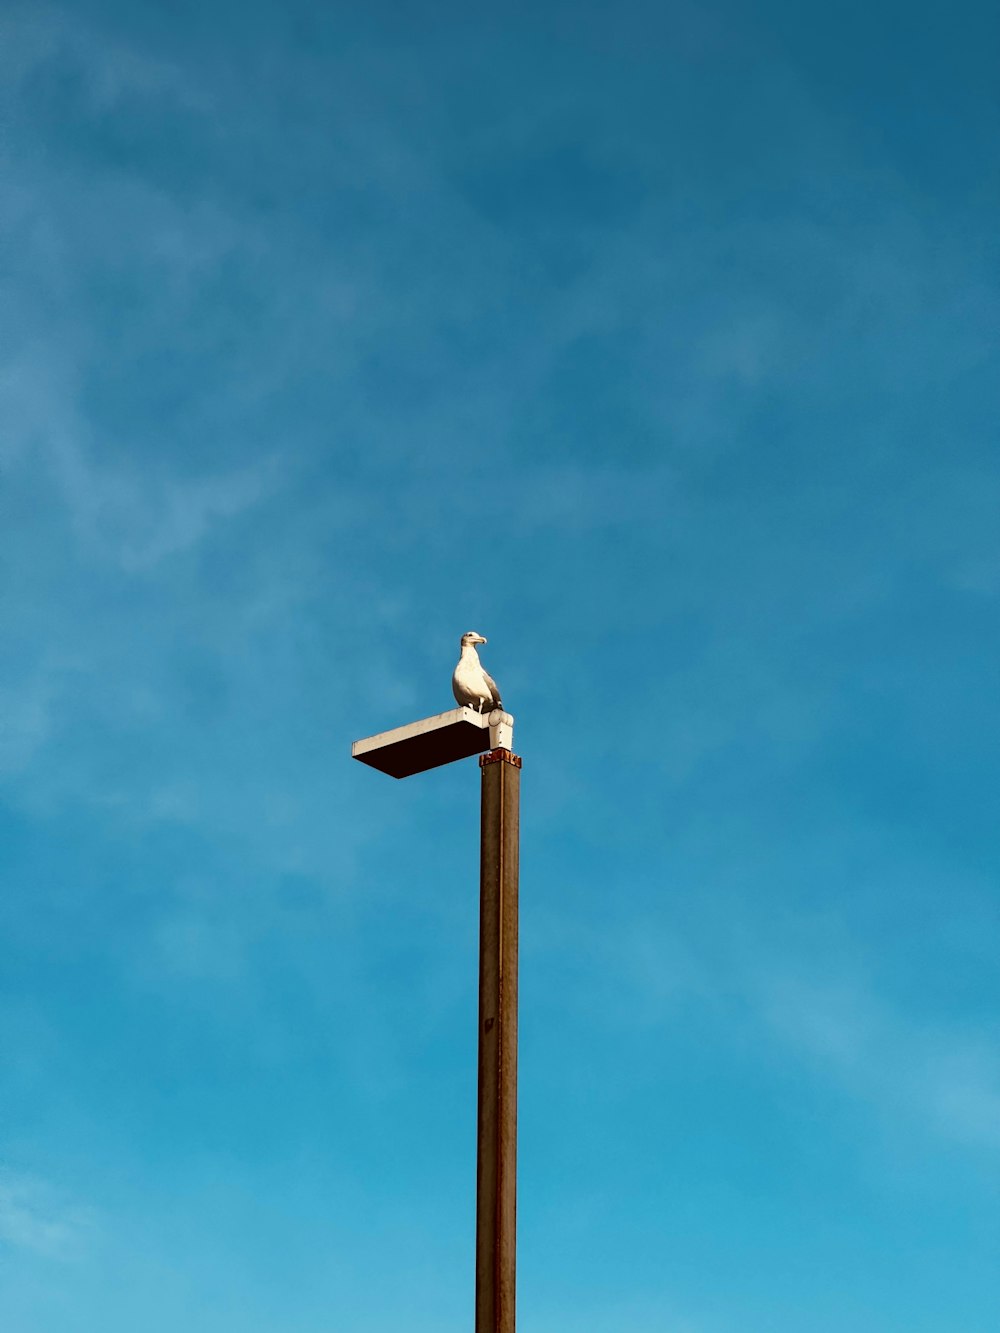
{"points": [[496, 1169]]}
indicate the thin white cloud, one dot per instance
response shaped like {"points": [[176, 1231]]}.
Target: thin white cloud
{"points": [[945, 1076], [25, 724], [943, 1079], [647, 1313], [34, 35], [34, 1217], [136, 516]]}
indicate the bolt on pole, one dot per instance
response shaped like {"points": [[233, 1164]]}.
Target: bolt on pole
{"points": [[496, 1168]]}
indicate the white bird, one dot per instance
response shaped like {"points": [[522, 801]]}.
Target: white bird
{"points": [[473, 686]]}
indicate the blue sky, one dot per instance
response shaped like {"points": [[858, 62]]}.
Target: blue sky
{"points": [[658, 344]]}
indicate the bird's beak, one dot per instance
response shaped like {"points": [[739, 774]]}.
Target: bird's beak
{"points": [[480, 639]]}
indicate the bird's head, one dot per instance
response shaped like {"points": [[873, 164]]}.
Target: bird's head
{"points": [[468, 640]]}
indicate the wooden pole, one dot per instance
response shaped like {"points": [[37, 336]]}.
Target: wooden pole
{"points": [[496, 1172]]}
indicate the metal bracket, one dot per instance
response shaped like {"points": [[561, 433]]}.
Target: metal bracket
{"points": [[500, 756], [501, 730]]}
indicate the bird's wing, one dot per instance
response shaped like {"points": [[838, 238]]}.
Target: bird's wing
{"points": [[493, 688]]}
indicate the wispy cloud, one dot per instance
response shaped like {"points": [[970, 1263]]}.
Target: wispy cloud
{"points": [[25, 723], [654, 1313], [36, 34], [137, 514], [36, 1217], [938, 1078], [945, 1077]]}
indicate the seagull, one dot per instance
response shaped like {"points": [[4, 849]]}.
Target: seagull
{"points": [[473, 686]]}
